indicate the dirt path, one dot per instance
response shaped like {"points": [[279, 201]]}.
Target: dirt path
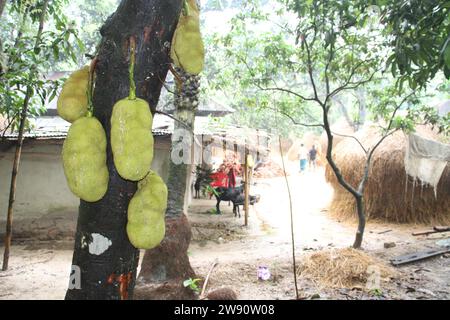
{"points": [[267, 242], [40, 269]]}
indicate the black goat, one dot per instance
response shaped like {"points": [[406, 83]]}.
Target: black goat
{"points": [[236, 196]]}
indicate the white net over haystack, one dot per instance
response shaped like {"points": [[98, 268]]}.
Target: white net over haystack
{"points": [[425, 160]]}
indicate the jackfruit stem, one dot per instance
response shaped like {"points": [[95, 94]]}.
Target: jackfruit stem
{"points": [[90, 89], [132, 95], [185, 8]]}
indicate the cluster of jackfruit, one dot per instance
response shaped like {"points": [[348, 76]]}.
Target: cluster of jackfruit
{"points": [[146, 225], [132, 138], [84, 150], [73, 102], [187, 49], [84, 157]]}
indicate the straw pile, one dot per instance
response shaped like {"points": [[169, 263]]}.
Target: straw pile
{"points": [[389, 194], [269, 169], [342, 268]]}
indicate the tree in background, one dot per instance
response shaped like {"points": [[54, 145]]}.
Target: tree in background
{"points": [[24, 91], [165, 267], [20, 51], [315, 52], [419, 34]]}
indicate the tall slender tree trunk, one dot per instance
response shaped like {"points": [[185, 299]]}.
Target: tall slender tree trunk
{"points": [[165, 267], [2, 6], [18, 153], [2, 55], [361, 222], [111, 274]]}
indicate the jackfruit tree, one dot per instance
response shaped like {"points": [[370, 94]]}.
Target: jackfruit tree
{"points": [[104, 259], [168, 264]]}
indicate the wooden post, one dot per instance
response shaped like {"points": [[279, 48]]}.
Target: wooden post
{"points": [[246, 187]]}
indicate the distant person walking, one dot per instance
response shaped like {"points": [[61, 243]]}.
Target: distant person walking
{"points": [[312, 157], [303, 157]]}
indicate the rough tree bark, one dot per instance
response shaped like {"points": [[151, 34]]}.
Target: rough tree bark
{"points": [[111, 275], [165, 267]]}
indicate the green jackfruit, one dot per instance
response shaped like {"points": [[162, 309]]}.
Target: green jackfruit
{"points": [[146, 225], [132, 138], [73, 101], [187, 50], [84, 159]]}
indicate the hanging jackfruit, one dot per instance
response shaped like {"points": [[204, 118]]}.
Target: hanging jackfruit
{"points": [[84, 159], [73, 101], [131, 138], [187, 50], [146, 211]]}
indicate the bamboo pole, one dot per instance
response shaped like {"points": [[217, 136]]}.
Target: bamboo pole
{"points": [[246, 187]]}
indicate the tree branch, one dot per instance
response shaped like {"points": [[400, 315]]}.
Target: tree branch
{"points": [[285, 90], [310, 73], [295, 121], [352, 137], [372, 150]]}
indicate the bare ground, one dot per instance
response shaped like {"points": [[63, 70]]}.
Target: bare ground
{"points": [[39, 269]]}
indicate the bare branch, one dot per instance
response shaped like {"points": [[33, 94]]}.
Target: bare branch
{"points": [[287, 115], [365, 177], [398, 108], [285, 90], [348, 84], [352, 137], [311, 76], [174, 118], [327, 66]]}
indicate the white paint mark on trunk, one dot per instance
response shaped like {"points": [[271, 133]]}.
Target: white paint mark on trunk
{"points": [[99, 244]]}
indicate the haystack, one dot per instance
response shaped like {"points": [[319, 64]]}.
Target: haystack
{"points": [[389, 195], [342, 268]]}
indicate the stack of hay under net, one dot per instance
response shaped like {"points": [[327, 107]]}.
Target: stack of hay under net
{"points": [[389, 195]]}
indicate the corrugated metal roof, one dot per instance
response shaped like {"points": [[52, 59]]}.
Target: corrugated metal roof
{"points": [[47, 128]]}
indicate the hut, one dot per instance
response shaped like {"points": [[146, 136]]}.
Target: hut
{"points": [[390, 195]]}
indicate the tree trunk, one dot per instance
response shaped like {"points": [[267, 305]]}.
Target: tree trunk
{"points": [[361, 221], [166, 267], [111, 274], [2, 6], [2, 55]]}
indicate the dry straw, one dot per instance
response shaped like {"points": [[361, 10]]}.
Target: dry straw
{"points": [[342, 268], [389, 195]]}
